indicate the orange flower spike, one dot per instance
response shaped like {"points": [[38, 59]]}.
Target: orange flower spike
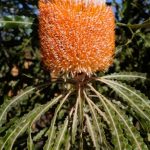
{"points": [[76, 35]]}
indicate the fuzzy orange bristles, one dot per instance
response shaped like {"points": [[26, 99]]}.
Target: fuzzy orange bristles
{"points": [[76, 37]]}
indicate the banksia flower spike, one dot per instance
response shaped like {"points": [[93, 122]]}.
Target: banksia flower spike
{"points": [[77, 36]]}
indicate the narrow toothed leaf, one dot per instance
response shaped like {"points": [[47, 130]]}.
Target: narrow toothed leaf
{"points": [[139, 102], [25, 122], [39, 135], [51, 131], [67, 143], [92, 132], [8, 104], [44, 108], [61, 136], [132, 134], [16, 21], [95, 119], [75, 120], [127, 76], [17, 129], [115, 130]]}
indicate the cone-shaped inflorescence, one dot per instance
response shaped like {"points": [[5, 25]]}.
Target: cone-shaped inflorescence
{"points": [[76, 36]]}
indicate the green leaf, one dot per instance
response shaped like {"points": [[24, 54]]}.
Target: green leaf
{"points": [[95, 118], [134, 98], [16, 21], [7, 126], [39, 134], [44, 108], [115, 129], [92, 132], [145, 24], [8, 104], [67, 142], [25, 122], [30, 144], [127, 76], [60, 139], [17, 129], [75, 120], [100, 112], [51, 130], [130, 132], [97, 124]]}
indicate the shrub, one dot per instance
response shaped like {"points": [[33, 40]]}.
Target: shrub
{"points": [[76, 108]]}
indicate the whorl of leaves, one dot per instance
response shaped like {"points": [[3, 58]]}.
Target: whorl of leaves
{"points": [[108, 122]]}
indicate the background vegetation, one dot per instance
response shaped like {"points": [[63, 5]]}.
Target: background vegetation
{"points": [[20, 63]]}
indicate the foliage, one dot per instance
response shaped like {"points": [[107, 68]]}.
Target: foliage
{"points": [[38, 111]]}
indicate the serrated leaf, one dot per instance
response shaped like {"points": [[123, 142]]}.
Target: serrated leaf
{"points": [[116, 132], [16, 130], [39, 134], [131, 132], [137, 94], [44, 108], [75, 120], [135, 99], [92, 132], [7, 126], [95, 118], [16, 21], [21, 125], [5, 107], [67, 142], [127, 76], [30, 144], [97, 124], [100, 112], [60, 139], [130, 129], [51, 130]]}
